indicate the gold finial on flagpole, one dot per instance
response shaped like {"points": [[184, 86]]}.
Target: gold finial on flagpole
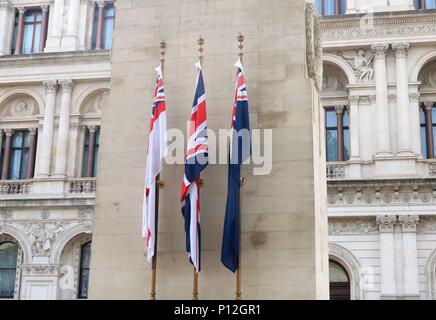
{"points": [[240, 39], [200, 48]]}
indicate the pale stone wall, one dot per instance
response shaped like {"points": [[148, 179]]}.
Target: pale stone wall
{"points": [[284, 226]]}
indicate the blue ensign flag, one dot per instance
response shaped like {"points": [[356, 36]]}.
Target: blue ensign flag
{"points": [[240, 151]]}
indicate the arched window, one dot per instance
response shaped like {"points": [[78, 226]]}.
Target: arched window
{"points": [[338, 134], [428, 130], [8, 269], [331, 7], [340, 287], [85, 261], [425, 4]]}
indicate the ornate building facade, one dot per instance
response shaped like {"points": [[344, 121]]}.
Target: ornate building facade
{"points": [[55, 73], [379, 94]]}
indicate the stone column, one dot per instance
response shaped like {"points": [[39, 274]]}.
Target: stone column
{"points": [[340, 120], [20, 32], [410, 256], [47, 131], [99, 43], [7, 154], [428, 108], [383, 140], [354, 128], [44, 26], [56, 24], [7, 16], [387, 256], [64, 128], [32, 153], [91, 151], [71, 41], [403, 104]]}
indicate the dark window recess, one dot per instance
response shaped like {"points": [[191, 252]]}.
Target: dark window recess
{"points": [[8, 269], [85, 262]]}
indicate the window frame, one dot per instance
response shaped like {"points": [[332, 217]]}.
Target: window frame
{"points": [[422, 5], [22, 148], [81, 269], [94, 33], [34, 23], [337, 8], [427, 134], [85, 152], [17, 263], [345, 128]]}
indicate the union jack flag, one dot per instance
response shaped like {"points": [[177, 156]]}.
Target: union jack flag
{"points": [[196, 161], [240, 150], [157, 150]]}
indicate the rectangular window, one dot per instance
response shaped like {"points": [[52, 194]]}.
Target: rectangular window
{"points": [[19, 161], [346, 136], [425, 4], [14, 35], [423, 133], [331, 7], [85, 262], [108, 26], [87, 153], [332, 136], [32, 31]]}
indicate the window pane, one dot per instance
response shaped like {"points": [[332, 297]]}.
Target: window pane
{"points": [[8, 265], [85, 262], [434, 141], [343, 6], [109, 10], [14, 36], [424, 142], [422, 116], [433, 115], [26, 137], [332, 120], [95, 162], [319, 7], [37, 38], [29, 16], [15, 165], [17, 140], [27, 39], [336, 273], [86, 256], [430, 4], [24, 164], [38, 16], [332, 145], [346, 120], [108, 29], [346, 145], [329, 7], [85, 162]]}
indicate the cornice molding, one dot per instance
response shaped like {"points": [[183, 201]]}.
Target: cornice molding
{"points": [[56, 58]]}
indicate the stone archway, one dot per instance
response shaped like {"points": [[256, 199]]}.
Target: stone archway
{"points": [[350, 263]]}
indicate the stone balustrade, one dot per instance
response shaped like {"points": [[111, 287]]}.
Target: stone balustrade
{"points": [[15, 188], [335, 171], [84, 186]]}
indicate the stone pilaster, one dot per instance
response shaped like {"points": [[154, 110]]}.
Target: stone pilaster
{"points": [[383, 139], [387, 256]]}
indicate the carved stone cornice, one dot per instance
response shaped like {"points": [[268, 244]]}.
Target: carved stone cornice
{"points": [[408, 223], [355, 225], [383, 25], [354, 100], [401, 49], [404, 192], [386, 223], [414, 97], [40, 269], [392, 98], [380, 49], [57, 58]]}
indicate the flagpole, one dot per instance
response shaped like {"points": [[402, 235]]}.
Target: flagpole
{"points": [[200, 43], [240, 39], [159, 184]]}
